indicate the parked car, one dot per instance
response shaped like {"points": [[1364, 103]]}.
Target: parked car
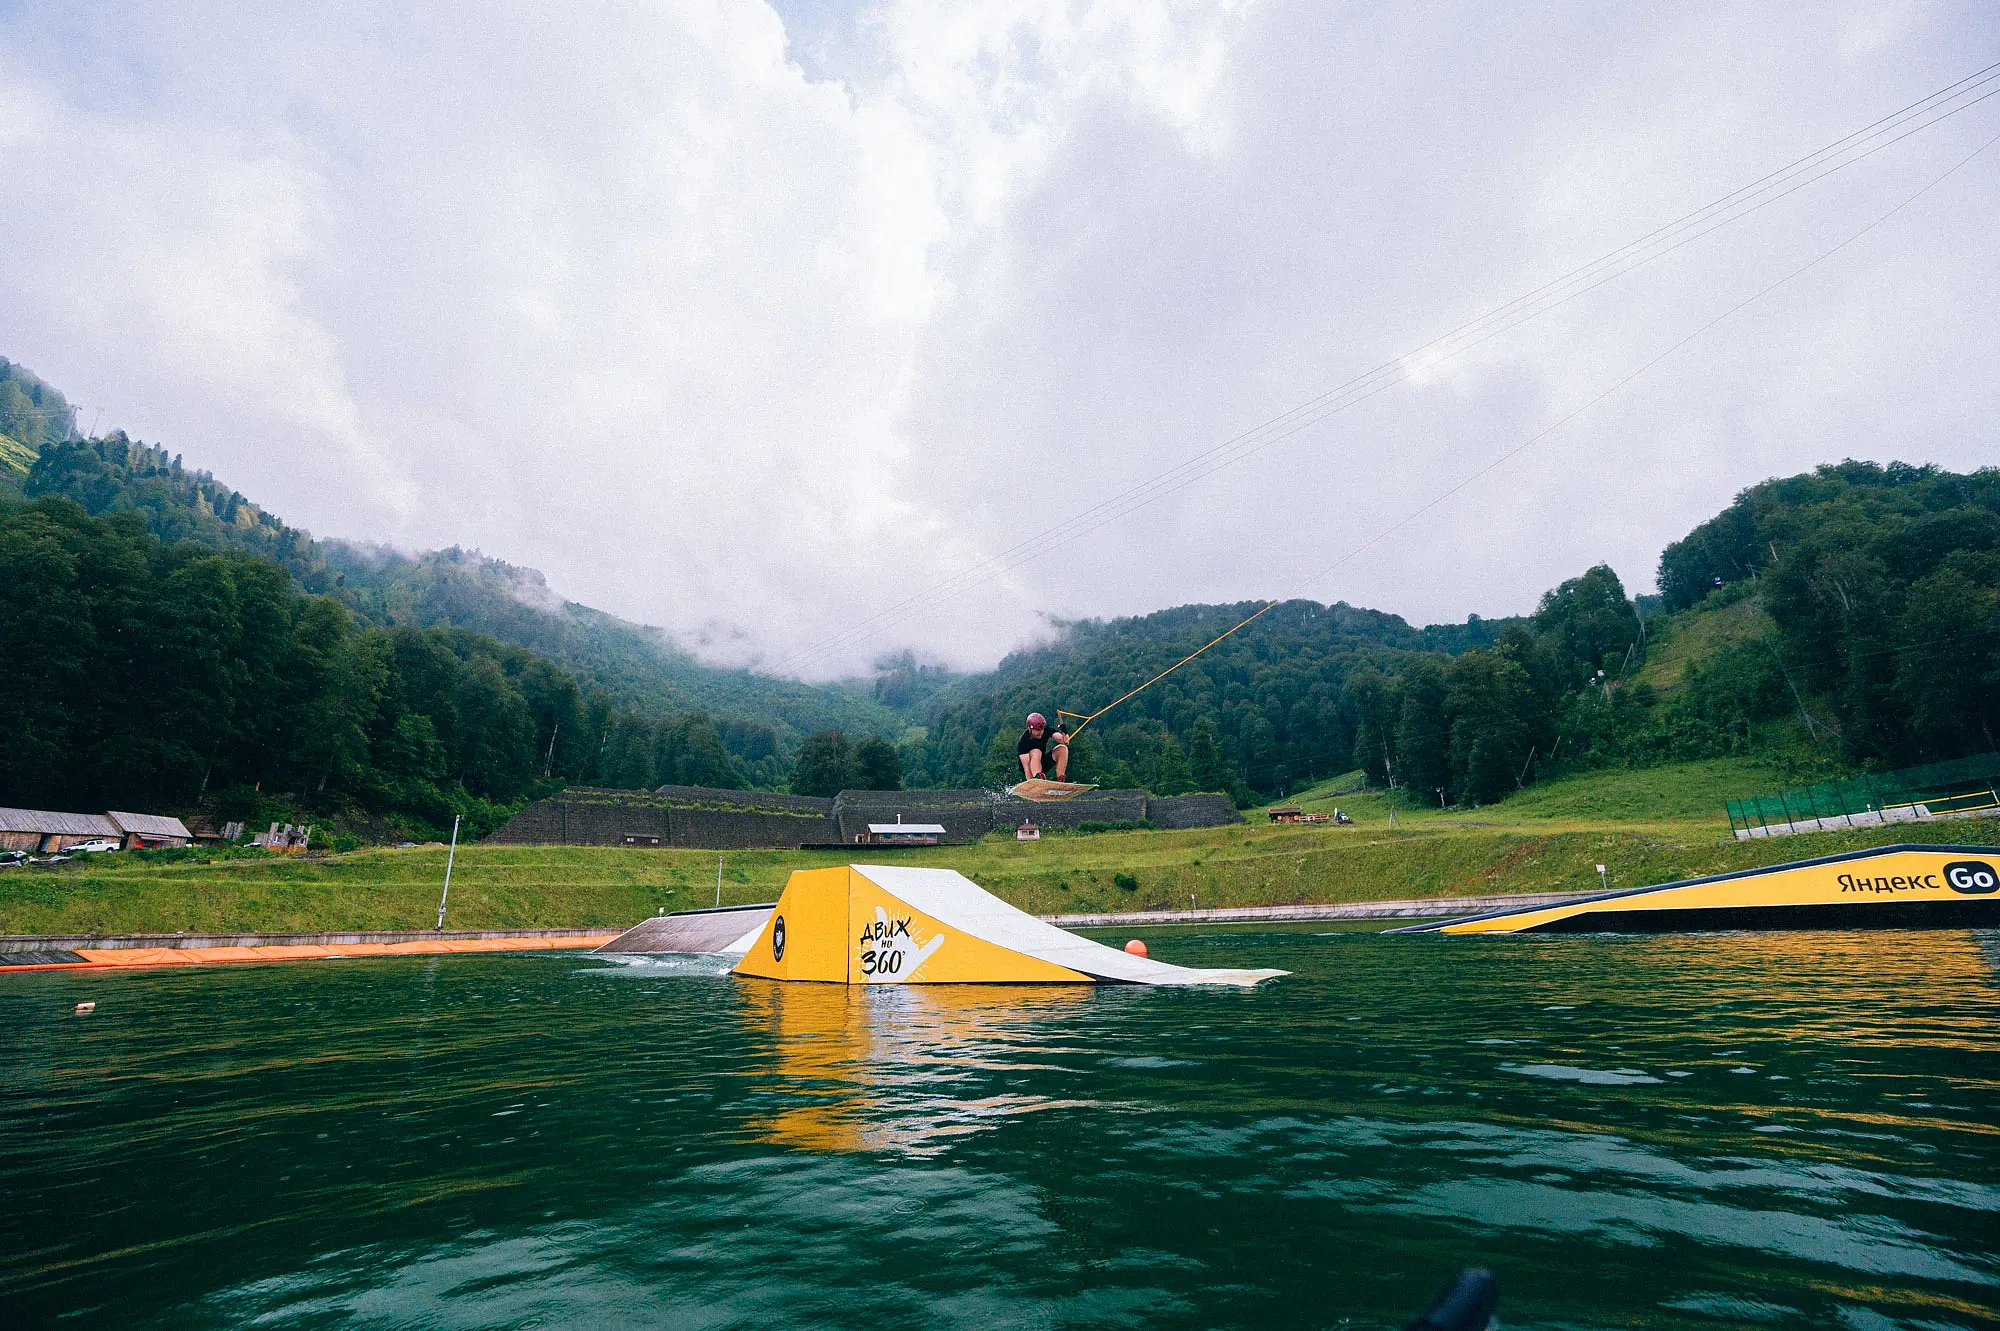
{"points": [[97, 847], [13, 857]]}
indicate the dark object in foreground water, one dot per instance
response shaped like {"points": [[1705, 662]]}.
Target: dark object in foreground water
{"points": [[1468, 1305]]}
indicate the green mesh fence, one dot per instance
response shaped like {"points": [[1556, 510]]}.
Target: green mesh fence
{"points": [[1961, 785]]}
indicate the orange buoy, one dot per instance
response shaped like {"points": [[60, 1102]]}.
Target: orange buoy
{"points": [[1136, 948]]}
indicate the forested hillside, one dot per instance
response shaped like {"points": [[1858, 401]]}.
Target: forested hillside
{"points": [[638, 668], [31, 414], [137, 673], [1848, 617], [164, 640], [1882, 585]]}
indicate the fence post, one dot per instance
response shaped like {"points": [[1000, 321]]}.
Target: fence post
{"points": [[1786, 805]]}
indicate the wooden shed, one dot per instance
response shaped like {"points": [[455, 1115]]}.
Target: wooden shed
{"points": [[903, 834], [142, 831], [41, 830]]}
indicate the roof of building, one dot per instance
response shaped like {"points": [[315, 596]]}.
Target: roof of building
{"points": [[150, 824], [58, 824], [908, 829]]}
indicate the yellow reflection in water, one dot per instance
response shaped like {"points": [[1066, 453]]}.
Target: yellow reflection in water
{"points": [[872, 1068]]}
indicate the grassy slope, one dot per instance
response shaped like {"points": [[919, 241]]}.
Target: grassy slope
{"points": [[1698, 633], [1649, 827]]}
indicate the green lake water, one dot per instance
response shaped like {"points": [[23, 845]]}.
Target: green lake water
{"points": [[1703, 1131]]}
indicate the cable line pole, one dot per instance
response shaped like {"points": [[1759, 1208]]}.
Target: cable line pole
{"points": [[450, 855]]}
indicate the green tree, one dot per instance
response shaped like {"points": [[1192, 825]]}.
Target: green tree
{"points": [[1208, 770], [879, 766], [1948, 679], [1586, 621], [1372, 699], [826, 765], [1172, 773], [1423, 736], [1493, 712], [1002, 766]]}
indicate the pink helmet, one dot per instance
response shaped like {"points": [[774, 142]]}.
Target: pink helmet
{"points": [[1037, 719]]}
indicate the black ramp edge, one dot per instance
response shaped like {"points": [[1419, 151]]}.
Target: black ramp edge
{"points": [[1842, 857], [1971, 913]]}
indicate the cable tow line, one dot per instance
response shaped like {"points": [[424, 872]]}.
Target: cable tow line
{"points": [[1544, 433]]}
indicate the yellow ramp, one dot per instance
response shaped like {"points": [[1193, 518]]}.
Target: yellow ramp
{"points": [[892, 924], [1891, 887]]}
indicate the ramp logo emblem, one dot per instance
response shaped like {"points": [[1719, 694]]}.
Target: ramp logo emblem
{"points": [[1973, 877], [778, 938], [888, 952]]}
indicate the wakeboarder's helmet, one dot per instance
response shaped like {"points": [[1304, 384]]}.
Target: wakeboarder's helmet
{"points": [[1037, 720]]}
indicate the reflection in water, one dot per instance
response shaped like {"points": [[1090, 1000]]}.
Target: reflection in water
{"points": [[884, 1067], [1692, 1131]]}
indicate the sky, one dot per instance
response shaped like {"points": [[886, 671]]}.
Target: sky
{"points": [[758, 324]]}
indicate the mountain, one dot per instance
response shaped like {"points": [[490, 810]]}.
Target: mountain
{"points": [[31, 414], [637, 667], [1845, 617]]}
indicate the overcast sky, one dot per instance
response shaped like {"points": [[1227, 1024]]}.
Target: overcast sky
{"points": [[752, 322]]}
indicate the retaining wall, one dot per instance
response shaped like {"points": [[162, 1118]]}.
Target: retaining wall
{"points": [[1192, 811], [698, 818]]}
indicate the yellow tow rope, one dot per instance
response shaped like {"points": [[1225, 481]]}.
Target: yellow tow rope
{"points": [[1084, 719]]}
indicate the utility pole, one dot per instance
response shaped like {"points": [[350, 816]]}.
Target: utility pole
{"points": [[450, 856]]}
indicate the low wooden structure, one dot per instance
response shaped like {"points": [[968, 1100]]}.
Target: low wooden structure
{"points": [[902, 834], [144, 831], [41, 831], [1293, 814]]}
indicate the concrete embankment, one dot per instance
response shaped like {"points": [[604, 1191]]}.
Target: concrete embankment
{"points": [[51, 952], [72, 952]]}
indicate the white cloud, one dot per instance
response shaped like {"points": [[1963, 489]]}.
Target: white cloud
{"points": [[753, 332]]}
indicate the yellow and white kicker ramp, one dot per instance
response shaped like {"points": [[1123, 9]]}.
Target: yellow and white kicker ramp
{"points": [[1890, 887], [883, 924]]}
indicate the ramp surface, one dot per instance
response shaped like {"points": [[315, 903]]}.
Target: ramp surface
{"points": [[890, 924], [728, 930], [1890, 887]]}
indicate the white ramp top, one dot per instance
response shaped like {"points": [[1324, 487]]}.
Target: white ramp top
{"points": [[727, 931], [954, 900]]}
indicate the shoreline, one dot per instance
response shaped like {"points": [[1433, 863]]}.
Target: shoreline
{"points": [[84, 951]]}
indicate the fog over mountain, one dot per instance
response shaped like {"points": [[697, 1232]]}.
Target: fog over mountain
{"points": [[751, 322]]}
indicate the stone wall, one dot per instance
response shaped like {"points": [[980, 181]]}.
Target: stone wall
{"points": [[960, 823], [1192, 811], [749, 829], [749, 799], [694, 817]]}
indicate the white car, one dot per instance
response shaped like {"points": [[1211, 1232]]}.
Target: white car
{"points": [[97, 847]]}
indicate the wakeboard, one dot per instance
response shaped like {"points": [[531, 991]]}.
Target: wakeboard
{"points": [[1044, 791]]}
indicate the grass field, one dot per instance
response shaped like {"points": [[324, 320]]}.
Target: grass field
{"points": [[1646, 827]]}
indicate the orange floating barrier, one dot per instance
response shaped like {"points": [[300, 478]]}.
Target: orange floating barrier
{"points": [[128, 958]]}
